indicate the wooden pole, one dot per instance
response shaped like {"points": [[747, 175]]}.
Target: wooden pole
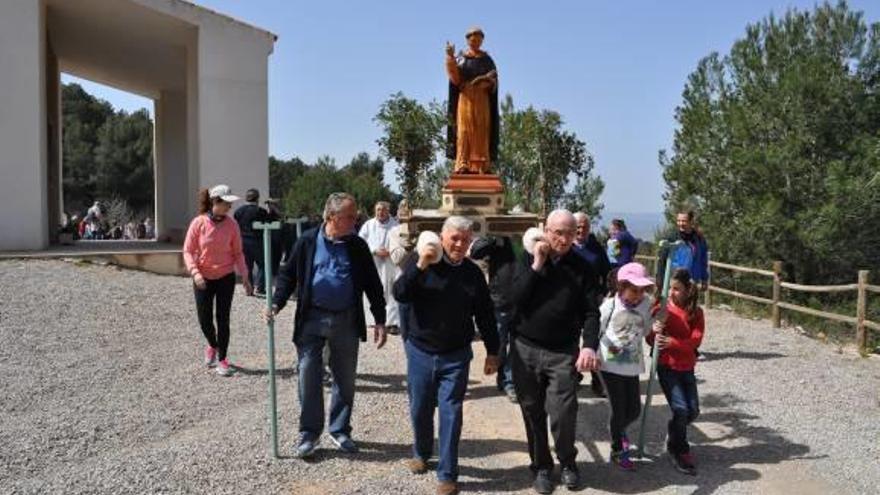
{"points": [[777, 292], [861, 331]]}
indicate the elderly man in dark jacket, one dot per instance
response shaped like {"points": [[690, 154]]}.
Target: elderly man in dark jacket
{"points": [[330, 270], [555, 335]]}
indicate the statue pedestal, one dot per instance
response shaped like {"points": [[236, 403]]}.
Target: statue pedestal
{"points": [[468, 194], [478, 197]]}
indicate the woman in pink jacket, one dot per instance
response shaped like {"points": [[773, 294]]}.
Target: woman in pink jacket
{"points": [[212, 253]]}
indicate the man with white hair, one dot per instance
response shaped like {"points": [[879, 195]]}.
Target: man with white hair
{"points": [[445, 292], [555, 334], [586, 245], [330, 269], [377, 232]]}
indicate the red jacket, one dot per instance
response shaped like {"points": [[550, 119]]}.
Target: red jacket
{"points": [[686, 336]]}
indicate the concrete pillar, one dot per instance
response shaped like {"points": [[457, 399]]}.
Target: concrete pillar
{"points": [[54, 193], [24, 219], [172, 170]]}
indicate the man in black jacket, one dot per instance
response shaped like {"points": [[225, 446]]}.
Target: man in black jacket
{"points": [[555, 334], [586, 245], [330, 270], [444, 299], [498, 251], [252, 240]]}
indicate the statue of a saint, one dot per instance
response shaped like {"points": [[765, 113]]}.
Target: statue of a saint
{"points": [[472, 139]]}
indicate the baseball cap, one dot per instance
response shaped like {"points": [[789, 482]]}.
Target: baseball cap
{"points": [[223, 192], [634, 273]]}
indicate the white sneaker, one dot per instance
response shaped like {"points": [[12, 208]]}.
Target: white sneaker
{"points": [[210, 357], [224, 368]]}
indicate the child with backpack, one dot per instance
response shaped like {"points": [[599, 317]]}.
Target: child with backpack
{"points": [[625, 320], [678, 337]]}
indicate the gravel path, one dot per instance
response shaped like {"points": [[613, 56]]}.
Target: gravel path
{"points": [[103, 392]]}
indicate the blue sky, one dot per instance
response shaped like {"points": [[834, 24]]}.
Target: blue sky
{"points": [[613, 69]]}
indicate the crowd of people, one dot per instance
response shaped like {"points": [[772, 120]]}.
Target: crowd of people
{"points": [[94, 225], [566, 306]]}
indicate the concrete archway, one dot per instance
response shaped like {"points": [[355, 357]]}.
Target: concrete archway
{"points": [[205, 72]]}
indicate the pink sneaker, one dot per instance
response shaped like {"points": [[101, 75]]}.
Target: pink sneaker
{"points": [[210, 356], [224, 368]]}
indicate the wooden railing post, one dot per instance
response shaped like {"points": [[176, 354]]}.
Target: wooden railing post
{"points": [[861, 331], [777, 292], [708, 301]]}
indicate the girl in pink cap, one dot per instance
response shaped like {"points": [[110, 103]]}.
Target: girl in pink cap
{"points": [[625, 320], [212, 253]]}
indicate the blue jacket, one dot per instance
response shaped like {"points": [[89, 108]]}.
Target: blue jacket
{"points": [[296, 277], [699, 256]]}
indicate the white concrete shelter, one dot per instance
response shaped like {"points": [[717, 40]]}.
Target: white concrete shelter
{"points": [[206, 73]]}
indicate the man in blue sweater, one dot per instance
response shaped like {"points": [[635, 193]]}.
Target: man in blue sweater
{"points": [[444, 299]]}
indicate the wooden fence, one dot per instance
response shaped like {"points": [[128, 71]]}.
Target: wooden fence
{"points": [[861, 287]]}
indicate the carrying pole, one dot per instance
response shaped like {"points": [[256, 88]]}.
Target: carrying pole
{"points": [[267, 229]]}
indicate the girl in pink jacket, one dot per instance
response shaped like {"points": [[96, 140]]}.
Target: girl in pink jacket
{"points": [[213, 254]]}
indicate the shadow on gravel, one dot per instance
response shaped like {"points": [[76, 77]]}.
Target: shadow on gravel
{"points": [[723, 439], [752, 356]]}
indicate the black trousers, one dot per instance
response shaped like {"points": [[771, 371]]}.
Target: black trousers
{"points": [[626, 404], [220, 290], [546, 386], [253, 255]]}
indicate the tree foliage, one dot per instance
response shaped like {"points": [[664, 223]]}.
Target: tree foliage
{"points": [[412, 137], [778, 145], [539, 160], [307, 187], [106, 153]]}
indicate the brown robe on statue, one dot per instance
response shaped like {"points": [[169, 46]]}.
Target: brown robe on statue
{"points": [[473, 119]]}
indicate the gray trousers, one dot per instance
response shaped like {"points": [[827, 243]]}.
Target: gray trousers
{"points": [[546, 387]]}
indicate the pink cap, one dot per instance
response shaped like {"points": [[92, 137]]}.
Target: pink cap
{"points": [[634, 273]]}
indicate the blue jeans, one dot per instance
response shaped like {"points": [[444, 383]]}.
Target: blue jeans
{"points": [[505, 373], [437, 381], [343, 344], [680, 388]]}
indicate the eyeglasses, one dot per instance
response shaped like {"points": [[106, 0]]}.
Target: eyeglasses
{"points": [[563, 232]]}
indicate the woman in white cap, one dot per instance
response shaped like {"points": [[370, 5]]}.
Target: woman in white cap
{"points": [[213, 253]]}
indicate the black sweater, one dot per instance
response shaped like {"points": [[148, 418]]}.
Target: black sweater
{"points": [[502, 266], [444, 301], [246, 215], [557, 305]]}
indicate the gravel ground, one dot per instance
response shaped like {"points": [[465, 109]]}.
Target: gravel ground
{"points": [[103, 391]]}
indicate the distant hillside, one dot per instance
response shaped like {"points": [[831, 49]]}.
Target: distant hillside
{"points": [[641, 225]]}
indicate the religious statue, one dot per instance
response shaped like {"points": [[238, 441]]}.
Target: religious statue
{"points": [[472, 139]]}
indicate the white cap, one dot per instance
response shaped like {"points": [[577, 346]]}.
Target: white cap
{"points": [[429, 238], [223, 192]]}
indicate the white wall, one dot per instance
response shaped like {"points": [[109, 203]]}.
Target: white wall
{"points": [[233, 107], [23, 215]]}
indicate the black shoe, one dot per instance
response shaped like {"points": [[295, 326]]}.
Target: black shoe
{"points": [[571, 478], [598, 391], [393, 330], [543, 483]]}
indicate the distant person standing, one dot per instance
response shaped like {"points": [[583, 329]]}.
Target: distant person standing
{"points": [[498, 251], [212, 253], [622, 246], [276, 237], [376, 232], [586, 245], [694, 259], [252, 240]]}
